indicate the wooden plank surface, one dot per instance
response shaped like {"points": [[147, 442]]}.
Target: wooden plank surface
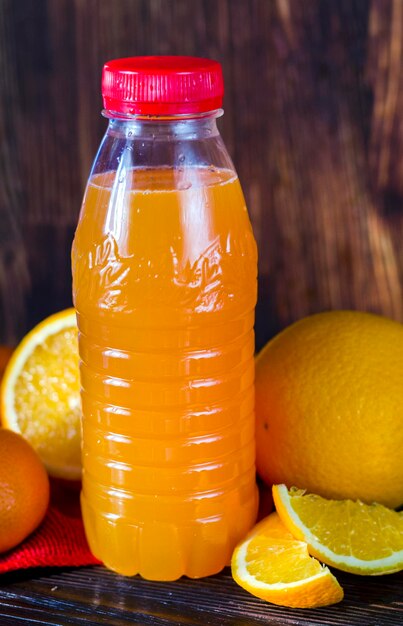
{"points": [[97, 596]]}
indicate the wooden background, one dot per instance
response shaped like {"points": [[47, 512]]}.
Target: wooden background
{"points": [[314, 122]]}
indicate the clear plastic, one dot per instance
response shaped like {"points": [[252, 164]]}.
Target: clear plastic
{"points": [[164, 283]]}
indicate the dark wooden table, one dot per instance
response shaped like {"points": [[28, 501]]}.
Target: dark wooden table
{"points": [[93, 595]]}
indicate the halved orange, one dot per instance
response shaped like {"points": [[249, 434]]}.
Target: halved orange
{"points": [[271, 564], [40, 394], [352, 536]]}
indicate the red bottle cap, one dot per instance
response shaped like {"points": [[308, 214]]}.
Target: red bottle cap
{"points": [[162, 85]]}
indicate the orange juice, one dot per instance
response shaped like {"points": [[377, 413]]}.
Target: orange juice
{"points": [[164, 276]]}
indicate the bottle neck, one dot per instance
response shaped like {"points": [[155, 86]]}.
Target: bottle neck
{"points": [[163, 128], [179, 141]]}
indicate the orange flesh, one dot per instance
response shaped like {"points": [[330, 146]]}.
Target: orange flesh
{"points": [[47, 399]]}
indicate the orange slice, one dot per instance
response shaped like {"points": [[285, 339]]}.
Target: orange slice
{"points": [[40, 394], [271, 564], [352, 536]]}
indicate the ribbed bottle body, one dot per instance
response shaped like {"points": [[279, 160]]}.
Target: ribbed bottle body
{"points": [[164, 279]]}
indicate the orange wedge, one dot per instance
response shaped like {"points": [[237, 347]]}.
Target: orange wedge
{"points": [[40, 394], [271, 564], [352, 536]]}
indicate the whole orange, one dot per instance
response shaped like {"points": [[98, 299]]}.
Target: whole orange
{"points": [[24, 489], [329, 407]]}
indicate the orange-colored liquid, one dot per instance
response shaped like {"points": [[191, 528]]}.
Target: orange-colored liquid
{"points": [[165, 288]]}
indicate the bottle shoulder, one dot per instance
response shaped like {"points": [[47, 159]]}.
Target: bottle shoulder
{"points": [[156, 145]]}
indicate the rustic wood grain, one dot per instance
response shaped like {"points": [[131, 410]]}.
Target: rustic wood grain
{"points": [[97, 596], [314, 121]]}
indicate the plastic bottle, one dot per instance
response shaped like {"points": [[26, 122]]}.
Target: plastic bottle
{"points": [[164, 283]]}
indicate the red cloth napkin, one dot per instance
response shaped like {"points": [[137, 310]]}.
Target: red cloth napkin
{"points": [[59, 540]]}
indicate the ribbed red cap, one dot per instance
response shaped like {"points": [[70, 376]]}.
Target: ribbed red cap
{"points": [[162, 85]]}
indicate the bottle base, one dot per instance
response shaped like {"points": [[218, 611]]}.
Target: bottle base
{"points": [[161, 551]]}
